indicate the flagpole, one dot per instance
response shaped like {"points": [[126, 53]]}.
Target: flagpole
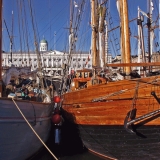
{"points": [[54, 41]]}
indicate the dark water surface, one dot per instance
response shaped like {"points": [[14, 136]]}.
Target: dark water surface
{"points": [[70, 147], [43, 155]]}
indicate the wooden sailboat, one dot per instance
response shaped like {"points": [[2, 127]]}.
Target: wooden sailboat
{"points": [[24, 123], [116, 120]]}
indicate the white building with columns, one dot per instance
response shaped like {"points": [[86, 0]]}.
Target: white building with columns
{"points": [[52, 61]]}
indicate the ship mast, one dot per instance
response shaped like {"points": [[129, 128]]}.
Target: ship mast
{"points": [[150, 31], [125, 38], [70, 34], [149, 28], [1, 49], [102, 34], [36, 47], [94, 34], [11, 38]]}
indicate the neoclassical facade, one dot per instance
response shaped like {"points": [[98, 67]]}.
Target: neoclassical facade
{"points": [[52, 61]]}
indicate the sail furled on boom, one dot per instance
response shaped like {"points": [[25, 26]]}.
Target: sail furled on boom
{"points": [[102, 15], [98, 13], [95, 58]]}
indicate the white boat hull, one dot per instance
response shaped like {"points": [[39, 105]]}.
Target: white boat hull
{"points": [[18, 141]]}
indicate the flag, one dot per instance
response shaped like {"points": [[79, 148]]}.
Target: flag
{"points": [[152, 7], [145, 14], [75, 4], [118, 6], [88, 58]]}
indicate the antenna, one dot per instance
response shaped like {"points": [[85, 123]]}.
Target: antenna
{"points": [[11, 37], [54, 40]]}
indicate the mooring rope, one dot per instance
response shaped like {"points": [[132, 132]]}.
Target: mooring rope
{"points": [[34, 130]]}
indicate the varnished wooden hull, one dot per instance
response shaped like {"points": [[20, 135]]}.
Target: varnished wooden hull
{"points": [[102, 124], [124, 89], [102, 130]]}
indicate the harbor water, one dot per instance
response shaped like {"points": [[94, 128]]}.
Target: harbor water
{"points": [[65, 144]]}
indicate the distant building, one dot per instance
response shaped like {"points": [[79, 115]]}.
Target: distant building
{"points": [[52, 61], [43, 45]]}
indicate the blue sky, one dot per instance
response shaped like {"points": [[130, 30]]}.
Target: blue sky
{"points": [[52, 19]]}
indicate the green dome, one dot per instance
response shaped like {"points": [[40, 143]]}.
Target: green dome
{"points": [[43, 41]]}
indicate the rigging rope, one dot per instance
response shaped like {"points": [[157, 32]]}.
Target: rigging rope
{"points": [[116, 47], [135, 96], [7, 31], [26, 35], [19, 28], [124, 90], [36, 46], [73, 33], [132, 113]]}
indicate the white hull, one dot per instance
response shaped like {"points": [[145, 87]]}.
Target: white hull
{"points": [[18, 142]]}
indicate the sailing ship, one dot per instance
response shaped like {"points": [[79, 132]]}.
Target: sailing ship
{"points": [[25, 115], [120, 119]]}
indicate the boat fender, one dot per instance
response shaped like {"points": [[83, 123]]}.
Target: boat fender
{"points": [[56, 99], [56, 118]]}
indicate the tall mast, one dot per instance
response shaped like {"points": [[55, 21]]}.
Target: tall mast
{"points": [[141, 48], [95, 57], [122, 32], [102, 23], [125, 35], [11, 38], [93, 23], [36, 47], [70, 30], [70, 36], [1, 48], [149, 29], [106, 44], [139, 45]]}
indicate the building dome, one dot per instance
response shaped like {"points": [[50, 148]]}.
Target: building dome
{"points": [[43, 41], [43, 45]]}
